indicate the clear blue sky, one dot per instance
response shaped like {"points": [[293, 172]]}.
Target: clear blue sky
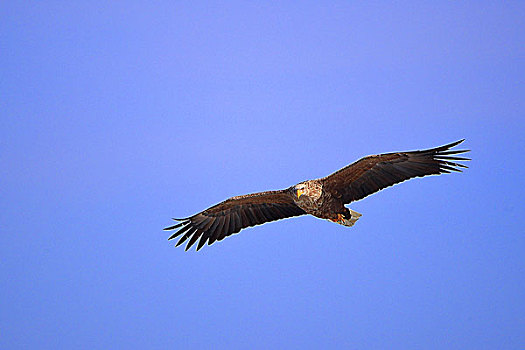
{"points": [[117, 116]]}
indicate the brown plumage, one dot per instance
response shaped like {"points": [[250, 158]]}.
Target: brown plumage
{"points": [[324, 198]]}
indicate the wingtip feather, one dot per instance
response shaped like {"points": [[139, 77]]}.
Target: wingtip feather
{"points": [[173, 236], [169, 228], [182, 240]]}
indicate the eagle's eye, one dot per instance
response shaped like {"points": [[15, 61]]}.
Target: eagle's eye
{"points": [[299, 192]]}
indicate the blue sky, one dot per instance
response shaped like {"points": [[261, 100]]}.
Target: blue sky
{"points": [[116, 117]]}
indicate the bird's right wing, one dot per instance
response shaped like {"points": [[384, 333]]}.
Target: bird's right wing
{"points": [[234, 214]]}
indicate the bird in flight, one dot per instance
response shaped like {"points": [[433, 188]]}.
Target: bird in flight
{"points": [[324, 198]]}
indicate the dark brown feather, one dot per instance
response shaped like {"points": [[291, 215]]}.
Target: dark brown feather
{"points": [[193, 239], [215, 229]]}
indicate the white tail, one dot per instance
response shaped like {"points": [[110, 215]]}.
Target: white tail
{"points": [[354, 217]]}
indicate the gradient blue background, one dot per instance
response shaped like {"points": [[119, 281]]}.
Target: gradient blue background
{"points": [[116, 117]]}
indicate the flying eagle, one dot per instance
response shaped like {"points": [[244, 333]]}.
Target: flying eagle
{"points": [[324, 198]]}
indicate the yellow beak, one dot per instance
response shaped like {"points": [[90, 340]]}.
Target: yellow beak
{"points": [[299, 193]]}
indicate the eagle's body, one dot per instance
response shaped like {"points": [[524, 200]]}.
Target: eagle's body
{"points": [[323, 204], [324, 198], [313, 200]]}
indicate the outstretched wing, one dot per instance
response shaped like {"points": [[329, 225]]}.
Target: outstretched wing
{"points": [[234, 214], [373, 173]]}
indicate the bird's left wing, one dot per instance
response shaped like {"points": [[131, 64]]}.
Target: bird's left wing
{"points": [[373, 173], [234, 214]]}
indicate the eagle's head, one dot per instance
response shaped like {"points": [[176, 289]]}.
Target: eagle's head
{"points": [[310, 189], [301, 189]]}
